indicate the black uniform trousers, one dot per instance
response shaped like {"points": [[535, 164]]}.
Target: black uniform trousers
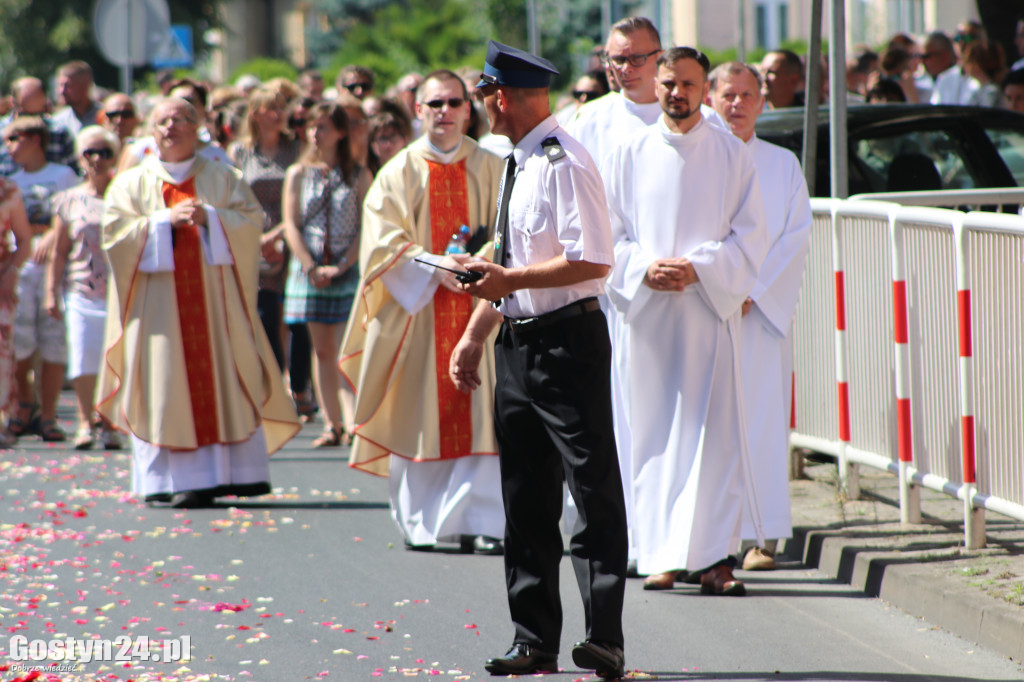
{"points": [[553, 417]]}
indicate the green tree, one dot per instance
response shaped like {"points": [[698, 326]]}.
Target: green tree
{"points": [[37, 37], [412, 35]]}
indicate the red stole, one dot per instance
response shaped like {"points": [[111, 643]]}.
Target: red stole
{"points": [[195, 332], [449, 210]]}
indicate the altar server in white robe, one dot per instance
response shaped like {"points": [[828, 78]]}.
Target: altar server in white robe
{"points": [[631, 52], [734, 90], [687, 218]]}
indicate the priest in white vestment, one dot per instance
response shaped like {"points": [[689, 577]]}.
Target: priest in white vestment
{"points": [[187, 370], [735, 93], [631, 52], [687, 218], [435, 443]]}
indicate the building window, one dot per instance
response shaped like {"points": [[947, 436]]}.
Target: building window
{"points": [[906, 16], [772, 17]]}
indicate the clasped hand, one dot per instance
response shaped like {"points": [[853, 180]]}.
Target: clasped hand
{"points": [[188, 212], [670, 274]]}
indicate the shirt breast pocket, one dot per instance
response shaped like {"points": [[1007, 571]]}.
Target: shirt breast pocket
{"points": [[531, 235]]}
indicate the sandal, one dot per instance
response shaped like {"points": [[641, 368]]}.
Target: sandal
{"points": [[330, 438], [17, 426], [83, 438], [50, 432]]}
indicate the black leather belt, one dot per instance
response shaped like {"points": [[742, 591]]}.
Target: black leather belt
{"points": [[529, 324]]}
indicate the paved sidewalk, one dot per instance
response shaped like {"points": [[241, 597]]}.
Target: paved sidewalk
{"points": [[923, 569]]}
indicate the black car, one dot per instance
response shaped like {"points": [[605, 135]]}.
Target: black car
{"points": [[912, 147]]}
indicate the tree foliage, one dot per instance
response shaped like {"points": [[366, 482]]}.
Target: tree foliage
{"points": [[37, 37], [394, 38], [266, 68]]}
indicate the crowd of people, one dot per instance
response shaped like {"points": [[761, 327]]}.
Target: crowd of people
{"points": [[595, 330]]}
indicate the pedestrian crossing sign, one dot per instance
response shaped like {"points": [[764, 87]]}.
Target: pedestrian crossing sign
{"points": [[175, 50]]}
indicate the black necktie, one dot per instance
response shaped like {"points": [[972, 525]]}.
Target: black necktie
{"points": [[501, 228]]}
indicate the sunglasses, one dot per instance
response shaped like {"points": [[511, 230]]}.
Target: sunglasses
{"points": [[452, 102], [351, 87], [585, 95], [104, 153], [296, 122], [119, 113], [634, 60]]}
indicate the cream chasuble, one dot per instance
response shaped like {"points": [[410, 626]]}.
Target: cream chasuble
{"points": [[403, 327], [215, 383], [766, 334], [693, 195]]}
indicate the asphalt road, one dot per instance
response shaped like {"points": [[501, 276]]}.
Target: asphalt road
{"points": [[313, 583]]}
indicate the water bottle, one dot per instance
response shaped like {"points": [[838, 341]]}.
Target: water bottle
{"points": [[458, 242]]}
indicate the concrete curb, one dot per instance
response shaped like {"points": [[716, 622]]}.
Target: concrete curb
{"points": [[900, 577]]}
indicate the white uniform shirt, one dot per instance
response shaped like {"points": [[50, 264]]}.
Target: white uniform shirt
{"points": [[557, 208]]}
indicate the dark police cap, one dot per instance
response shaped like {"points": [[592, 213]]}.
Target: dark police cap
{"points": [[515, 68]]}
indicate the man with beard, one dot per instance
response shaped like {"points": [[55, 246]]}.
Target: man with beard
{"points": [[684, 265]]}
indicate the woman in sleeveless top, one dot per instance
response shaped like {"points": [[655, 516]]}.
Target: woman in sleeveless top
{"points": [[322, 209], [77, 276]]}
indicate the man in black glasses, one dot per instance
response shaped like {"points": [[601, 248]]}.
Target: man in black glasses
{"points": [[119, 116], [435, 443], [358, 80], [631, 53]]}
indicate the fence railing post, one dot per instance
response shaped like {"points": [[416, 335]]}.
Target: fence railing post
{"points": [[910, 494], [849, 479], [974, 518]]}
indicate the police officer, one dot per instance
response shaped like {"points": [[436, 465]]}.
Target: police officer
{"points": [[552, 356]]}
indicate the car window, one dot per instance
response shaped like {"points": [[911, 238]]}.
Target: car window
{"points": [[914, 161], [1010, 145]]}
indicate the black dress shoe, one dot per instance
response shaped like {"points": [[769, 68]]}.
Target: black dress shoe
{"points": [[417, 548], [483, 544], [523, 659], [604, 659], [191, 499]]}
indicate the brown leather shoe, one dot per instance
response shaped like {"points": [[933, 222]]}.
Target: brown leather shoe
{"points": [[660, 581], [720, 580]]}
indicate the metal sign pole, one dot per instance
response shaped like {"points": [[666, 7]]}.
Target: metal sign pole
{"points": [[837, 101], [813, 80], [126, 72]]}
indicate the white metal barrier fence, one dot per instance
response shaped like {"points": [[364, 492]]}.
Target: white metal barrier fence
{"points": [[925, 374]]}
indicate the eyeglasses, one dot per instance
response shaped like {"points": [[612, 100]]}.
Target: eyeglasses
{"points": [[105, 153], [13, 137], [351, 87], [585, 95], [452, 102], [634, 60], [119, 113]]}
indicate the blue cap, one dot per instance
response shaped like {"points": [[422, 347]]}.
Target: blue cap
{"points": [[515, 68]]}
